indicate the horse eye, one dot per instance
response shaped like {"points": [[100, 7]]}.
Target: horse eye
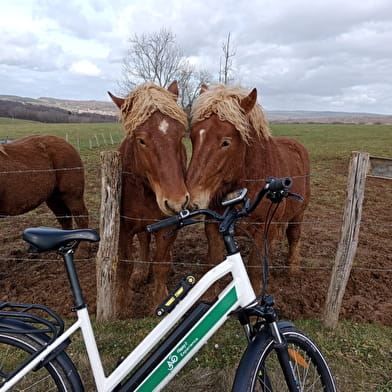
{"points": [[225, 143], [142, 142]]}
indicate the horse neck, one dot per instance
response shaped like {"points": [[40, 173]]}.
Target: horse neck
{"points": [[262, 158]]}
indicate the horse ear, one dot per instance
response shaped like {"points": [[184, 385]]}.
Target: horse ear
{"points": [[118, 101], [203, 88], [173, 88], [249, 101]]}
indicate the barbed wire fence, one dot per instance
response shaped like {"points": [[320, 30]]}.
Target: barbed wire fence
{"points": [[35, 218]]}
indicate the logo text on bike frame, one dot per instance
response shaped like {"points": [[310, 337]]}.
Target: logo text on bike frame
{"points": [[189, 342]]}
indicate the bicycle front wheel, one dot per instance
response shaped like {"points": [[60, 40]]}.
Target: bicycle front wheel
{"points": [[259, 369], [57, 375]]}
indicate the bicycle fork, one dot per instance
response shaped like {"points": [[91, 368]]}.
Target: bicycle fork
{"points": [[270, 327], [280, 346]]}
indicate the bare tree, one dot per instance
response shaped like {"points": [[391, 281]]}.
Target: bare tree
{"points": [[189, 82], [153, 57], [157, 58], [226, 68]]}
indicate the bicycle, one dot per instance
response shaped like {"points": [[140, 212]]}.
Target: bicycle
{"points": [[278, 357]]}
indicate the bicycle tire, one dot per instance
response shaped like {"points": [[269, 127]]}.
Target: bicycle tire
{"points": [[59, 374], [259, 368]]}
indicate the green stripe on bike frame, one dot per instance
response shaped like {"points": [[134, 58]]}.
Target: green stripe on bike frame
{"points": [[187, 344]]}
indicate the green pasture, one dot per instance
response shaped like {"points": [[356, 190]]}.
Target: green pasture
{"points": [[360, 354], [337, 141], [329, 146], [81, 136], [323, 141]]}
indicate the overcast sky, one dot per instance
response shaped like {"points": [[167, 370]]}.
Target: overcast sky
{"points": [[300, 54]]}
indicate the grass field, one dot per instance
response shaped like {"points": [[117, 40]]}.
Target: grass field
{"points": [[360, 354]]}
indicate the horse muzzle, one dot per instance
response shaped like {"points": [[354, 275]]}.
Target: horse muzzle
{"points": [[173, 207]]}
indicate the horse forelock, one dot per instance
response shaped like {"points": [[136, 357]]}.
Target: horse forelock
{"points": [[224, 101], [145, 100]]}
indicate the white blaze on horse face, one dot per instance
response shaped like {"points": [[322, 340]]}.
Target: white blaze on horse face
{"points": [[163, 126], [202, 133]]}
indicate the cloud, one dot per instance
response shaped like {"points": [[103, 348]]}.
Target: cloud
{"points": [[85, 19], [27, 52], [324, 54], [85, 67]]}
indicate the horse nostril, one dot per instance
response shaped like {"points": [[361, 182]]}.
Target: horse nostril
{"points": [[186, 202], [170, 208]]}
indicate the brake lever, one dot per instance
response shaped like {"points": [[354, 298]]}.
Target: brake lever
{"points": [[296, 197], [278, 196]]}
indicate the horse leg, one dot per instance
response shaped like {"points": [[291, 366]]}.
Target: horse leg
{"points": [[216, 253], [257, 254], [255, 266], [141, 267], [78, 209], [80, 214], [124, 292], [293, 233], [75, 208], [161, 267], [61, 211], [216, 246]]}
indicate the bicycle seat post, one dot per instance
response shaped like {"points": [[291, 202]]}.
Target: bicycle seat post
{"points": [[67, 254]]}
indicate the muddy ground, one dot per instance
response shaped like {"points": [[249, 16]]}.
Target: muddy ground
{"points": [[368, 296]]}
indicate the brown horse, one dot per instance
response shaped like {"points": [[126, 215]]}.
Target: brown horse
{"points": [[153, 186], [233, 148], [43, 168]]}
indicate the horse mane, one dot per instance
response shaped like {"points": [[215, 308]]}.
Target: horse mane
{"points": [[145, 100], [224, 101]]}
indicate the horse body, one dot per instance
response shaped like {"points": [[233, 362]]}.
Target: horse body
{"points": [[153, 186], [43, 168], [230, 154]]}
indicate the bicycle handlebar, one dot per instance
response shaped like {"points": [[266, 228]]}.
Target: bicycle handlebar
{"points": [[276, 188], [279, 184], [173, 220], [180, 220]]}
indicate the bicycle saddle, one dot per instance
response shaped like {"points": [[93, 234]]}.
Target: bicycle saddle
{"points": [[44, 239]]}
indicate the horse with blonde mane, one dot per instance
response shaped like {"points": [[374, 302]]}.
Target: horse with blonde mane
{"points": [[43, 168], [153, 162], [233, 148]]}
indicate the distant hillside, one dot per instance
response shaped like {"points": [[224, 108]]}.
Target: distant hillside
{"points": [[326, 117], [61, 110], [57, 110], [107, 108]]}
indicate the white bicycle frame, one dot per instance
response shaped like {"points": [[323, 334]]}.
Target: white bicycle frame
{"points": [[238, 292]]}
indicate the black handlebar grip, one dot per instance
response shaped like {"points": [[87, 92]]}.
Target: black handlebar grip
{"points": [[278, 184], [173, 220]]}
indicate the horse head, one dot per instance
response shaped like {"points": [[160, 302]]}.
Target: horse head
{"points": [[220, 134], [153, 149]]}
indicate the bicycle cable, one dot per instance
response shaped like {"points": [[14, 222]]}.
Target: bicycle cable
{"points": [[265, 260]]}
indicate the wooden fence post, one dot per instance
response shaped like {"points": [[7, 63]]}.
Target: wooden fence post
{"points": [[349, 237], [107, 256]]}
